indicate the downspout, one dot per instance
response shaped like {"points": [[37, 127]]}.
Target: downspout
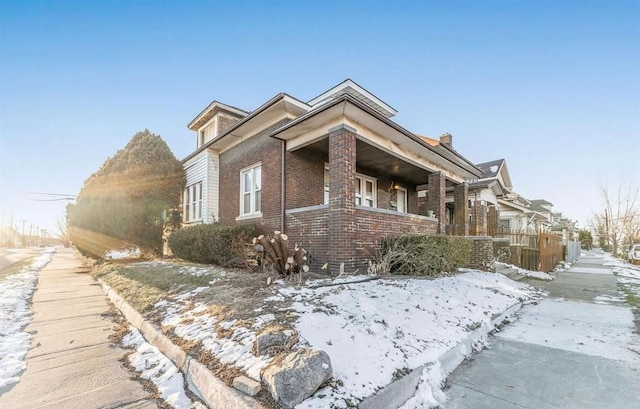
{"points": [[282, 184]]}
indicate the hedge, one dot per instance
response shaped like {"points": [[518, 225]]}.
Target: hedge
{"points": [[425, 255], [212, 243]]}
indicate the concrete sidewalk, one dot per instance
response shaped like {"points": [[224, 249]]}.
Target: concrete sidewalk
{"points": [[72, 363], [570, 351]]}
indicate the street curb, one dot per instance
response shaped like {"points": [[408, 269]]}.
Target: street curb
{"points": [[215, 393], [398, 392]]}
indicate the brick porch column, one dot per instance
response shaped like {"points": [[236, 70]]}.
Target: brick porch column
{"points": [[460, 210], [493, 221], [479, 219], [342, 195], [436, 197]]}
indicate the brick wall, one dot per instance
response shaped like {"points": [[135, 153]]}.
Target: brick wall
{"points": [[342, 169], [478, 225], [310, 229], [461, 210], [259, 148], [435, 199], [481, 253], [375, 224], [493, 220], [304, 178]]}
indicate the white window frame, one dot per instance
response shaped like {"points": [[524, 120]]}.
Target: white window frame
{"points": [[363, 200], [254, 192], [405, 201], [193, 203], [326, 181]]}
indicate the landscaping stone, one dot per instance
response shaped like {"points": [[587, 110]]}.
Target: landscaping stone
{"points": [[268, 341], [246, 385], [298, 376]]}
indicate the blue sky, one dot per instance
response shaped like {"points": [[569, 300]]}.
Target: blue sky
{"points": [[551, 86]]}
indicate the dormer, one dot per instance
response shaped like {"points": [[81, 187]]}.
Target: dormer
{"points": [[357, 92], [213, 121]]}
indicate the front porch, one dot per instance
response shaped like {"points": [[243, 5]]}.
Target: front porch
{"points": [[344, 193]]}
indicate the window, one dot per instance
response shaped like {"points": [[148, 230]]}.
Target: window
{"points": [[326, 183], [193, 202], [201, 135], [250, 191], [401, 200], [365, 191]]}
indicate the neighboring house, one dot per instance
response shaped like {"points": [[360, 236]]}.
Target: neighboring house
{"points": [[335, 173]]}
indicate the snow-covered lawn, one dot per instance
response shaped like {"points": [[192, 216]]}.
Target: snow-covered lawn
{"points": [[374, 332], [15, 293], [157, 368]]}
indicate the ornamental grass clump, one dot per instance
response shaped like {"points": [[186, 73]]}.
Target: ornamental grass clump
{"points": [[425, 255]]}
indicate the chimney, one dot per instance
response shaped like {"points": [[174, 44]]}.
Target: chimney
{"points": [[446, 139]]}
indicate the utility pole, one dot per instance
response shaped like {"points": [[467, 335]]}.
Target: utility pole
{"points": [[24, 242]]}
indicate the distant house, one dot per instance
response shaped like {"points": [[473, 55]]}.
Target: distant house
{"points": [[335, 173]]}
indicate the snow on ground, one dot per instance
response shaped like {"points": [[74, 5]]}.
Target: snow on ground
{"points": [[15, 293], [527, 273], [376, 330], [133, 252], [157, 368]]}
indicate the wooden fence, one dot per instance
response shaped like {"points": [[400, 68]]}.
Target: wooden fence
{"points": [[536, 252]]}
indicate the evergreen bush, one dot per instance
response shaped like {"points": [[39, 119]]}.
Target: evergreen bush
{"points": [[219, 244], [425, 255]]}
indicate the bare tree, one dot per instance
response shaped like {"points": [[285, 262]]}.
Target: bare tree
{"points": [[63, 233], [619, 221]]}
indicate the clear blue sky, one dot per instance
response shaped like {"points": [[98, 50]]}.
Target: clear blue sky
{"points": [[551, 86]]}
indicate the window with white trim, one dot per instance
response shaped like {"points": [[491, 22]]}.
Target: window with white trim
{"points": [[251, 191], [326, 183], [365, 191], [193, 203]]}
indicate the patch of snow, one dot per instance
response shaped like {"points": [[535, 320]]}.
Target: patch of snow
{"points": [[259, 321], [371, 330], [15, 293], [429, 393], [194, 271], [607, 299], [157, 368], [133, 252], [493, 168]]}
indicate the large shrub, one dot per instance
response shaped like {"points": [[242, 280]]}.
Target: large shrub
{"points": [[425, 255], [212, 243], [126, 200]]}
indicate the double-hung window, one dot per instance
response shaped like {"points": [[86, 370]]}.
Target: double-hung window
{"points": [[251, 191], [193, 202], [365, 191]]}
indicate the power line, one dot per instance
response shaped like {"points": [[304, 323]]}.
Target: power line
{"points": [[49, 194]]}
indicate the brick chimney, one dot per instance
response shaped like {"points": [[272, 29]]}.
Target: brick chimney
{"points": [[446, 139]]}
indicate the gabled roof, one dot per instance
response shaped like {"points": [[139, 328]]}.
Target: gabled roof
{"points": [[281, 98], [491, 169], [496, 169], [349, 87], [211, 110]]}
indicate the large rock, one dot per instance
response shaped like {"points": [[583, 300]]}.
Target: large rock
{"points": [[298, 376], [272, 341]]}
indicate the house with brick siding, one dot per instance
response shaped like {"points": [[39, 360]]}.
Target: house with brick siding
{"points": [[335, 173]]}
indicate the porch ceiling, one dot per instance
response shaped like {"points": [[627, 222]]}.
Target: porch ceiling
{"points": [[377, 161]]}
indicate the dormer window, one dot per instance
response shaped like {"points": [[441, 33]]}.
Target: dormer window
{"points": [[201, 138]]}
